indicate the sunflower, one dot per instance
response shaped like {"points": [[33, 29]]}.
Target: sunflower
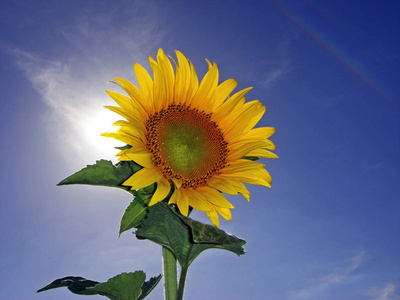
{"points": [[193, 138]]}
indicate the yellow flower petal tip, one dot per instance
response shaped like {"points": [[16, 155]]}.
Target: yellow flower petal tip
{"points": [[191, 136]]}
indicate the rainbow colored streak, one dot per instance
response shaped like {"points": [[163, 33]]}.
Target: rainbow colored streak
{"points": [[331, 47]]}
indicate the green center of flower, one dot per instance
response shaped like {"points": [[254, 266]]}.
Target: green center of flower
{"points": [[186, 145]]}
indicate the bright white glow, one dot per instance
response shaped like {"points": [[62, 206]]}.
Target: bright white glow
{"points": [[76, 117], [100, 121]]}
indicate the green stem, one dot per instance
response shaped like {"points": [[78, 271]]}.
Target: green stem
{"points": [[182, 280], [170, 274]]}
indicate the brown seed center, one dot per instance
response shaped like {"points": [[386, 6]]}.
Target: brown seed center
{"points": [[186, 145]]}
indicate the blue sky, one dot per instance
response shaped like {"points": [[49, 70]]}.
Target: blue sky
{"points": [[328, 73]]}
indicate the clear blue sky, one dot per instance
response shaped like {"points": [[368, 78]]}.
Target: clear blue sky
{"points": [[328, 73]]}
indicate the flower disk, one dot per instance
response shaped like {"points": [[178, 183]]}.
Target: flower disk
{"points": [[191, 137], [186, 145]]}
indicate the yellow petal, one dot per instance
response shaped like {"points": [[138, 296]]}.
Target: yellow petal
{"points": [[133, 107], [181, 199], [162, 191], [131, 130], [259, 133], [197, 201], [256, 116], [240, 150], [159, 88], [227, 107], [145, 84], [213, 217], [229, 186], [215, 197], [177, 182], [202, 98], [240, 187], [128, 115], [127, 128], [244, 120], [262, 153], [224, 212], [209, 64], [174, 198], [183, 79], [120, 123], [127, 139], [179, 86], [132, 91], [242, 165], [140, 156], [222, 185], [224, 90], [253, 177], [193, 85], [120, 99], [143, 178], [169, 78]]}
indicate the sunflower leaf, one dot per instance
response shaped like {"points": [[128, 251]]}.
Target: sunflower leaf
{"points": [[125, 286], [123, 147], [137, 210], [148, 286], [184, 237], [77, 285], [253, 158], [133, 215], [208, 234], [104, 173]]}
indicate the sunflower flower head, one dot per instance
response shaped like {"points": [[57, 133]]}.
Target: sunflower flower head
{"points": [[189, 136]]}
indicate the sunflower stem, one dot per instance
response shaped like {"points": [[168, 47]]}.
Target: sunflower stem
{"points": [[170, 274], [182, 280]]}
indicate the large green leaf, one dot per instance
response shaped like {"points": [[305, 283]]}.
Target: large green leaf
{"points": [[137, 209], [125, 286], [184, 237], [104, 173]]}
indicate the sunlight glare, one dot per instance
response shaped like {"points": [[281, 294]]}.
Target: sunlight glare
{"points": [[100, 122]]}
